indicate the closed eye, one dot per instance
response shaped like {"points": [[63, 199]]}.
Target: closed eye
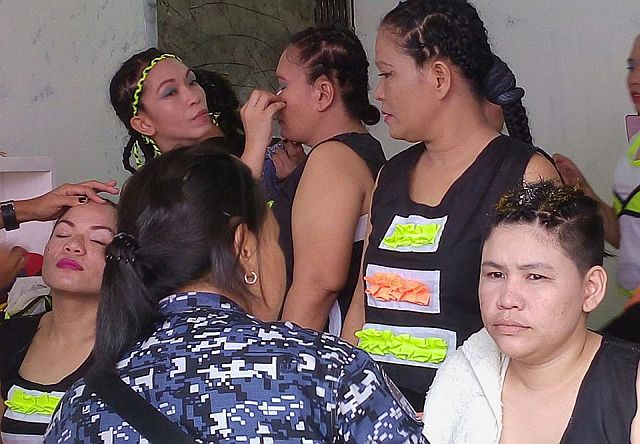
{"points": [[169, 92]]}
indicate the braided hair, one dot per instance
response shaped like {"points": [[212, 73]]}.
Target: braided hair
{"points": [[426, 29], [338, 54], [500, 89], [121, 91]]}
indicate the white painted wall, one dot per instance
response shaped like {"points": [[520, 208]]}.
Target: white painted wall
{"points": [[56, 60], [570, 58]]}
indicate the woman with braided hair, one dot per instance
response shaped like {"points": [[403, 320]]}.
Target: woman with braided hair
{"points": [[159, 101], [322, 208], [432, 203]]}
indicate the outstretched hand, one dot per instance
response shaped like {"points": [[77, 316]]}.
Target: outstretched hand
{"points": [[257, 117], [569, 171], [287, 159], [51, 205]]}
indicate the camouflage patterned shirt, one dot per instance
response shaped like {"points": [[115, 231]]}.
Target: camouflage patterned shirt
{"points": [[225, 376]]}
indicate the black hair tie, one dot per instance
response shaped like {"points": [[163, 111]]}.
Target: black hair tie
{"points": [[500, 84], [122, 248]]}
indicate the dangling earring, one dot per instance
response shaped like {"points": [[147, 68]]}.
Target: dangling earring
{"points": [[251, 278], [215, 117]]}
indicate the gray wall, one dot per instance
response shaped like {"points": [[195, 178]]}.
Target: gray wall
{"points": [[56, 60]]}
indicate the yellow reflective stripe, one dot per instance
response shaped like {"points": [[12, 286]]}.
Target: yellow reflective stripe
{"points": [[633, 151], [403, 346], [22, 402], [617, 205]]}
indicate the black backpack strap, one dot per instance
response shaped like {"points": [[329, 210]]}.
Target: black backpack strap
{"points": [[134, 409]]}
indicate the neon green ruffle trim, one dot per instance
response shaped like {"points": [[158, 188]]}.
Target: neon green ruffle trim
{"points": [[413, 235], [22, 402], [404, 346]]}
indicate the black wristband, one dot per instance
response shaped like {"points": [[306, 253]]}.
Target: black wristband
{"points": [[8, 213]]}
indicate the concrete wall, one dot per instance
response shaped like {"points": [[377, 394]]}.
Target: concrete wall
{"points": [[570, 58], [56, 60]]}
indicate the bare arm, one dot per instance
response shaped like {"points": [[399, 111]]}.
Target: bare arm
{"points": [[327, 206], [572, 175], [49, 206], [355, 315]]}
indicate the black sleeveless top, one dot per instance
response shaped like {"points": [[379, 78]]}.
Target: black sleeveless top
{"points": [[606, 402], [438, 248], [370, 150], [16, 335]]}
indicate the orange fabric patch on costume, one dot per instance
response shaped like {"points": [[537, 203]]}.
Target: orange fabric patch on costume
{"points": [[392, 287]]}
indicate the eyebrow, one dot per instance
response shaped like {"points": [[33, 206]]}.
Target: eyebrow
{"points": [[92, 227], [526, 267], [379, 63]]}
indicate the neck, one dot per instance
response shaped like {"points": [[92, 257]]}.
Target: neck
{"points": [[565, 366], [332, 124], [73, 316], [461, 131], [169, 145]]}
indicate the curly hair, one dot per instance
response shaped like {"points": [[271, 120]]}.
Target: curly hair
{"points": [[339, 55], [443, 28]]}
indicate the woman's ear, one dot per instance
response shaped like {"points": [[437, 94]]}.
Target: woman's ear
{"points": [[142, 124], [246, 246], [440, 78], [324, 92], [595, 288]]}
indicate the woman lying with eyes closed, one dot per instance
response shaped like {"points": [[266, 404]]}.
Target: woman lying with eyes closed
{"points": [[42, 356]]}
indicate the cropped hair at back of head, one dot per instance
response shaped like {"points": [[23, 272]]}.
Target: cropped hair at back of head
{"points": [[452, 29], [177, 219], [338, 54], [565, 212]]}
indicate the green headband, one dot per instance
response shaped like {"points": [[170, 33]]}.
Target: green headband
{"points": [[143, 77]]}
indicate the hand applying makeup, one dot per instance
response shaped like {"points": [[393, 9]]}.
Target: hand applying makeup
{"points": [[257, 117]]}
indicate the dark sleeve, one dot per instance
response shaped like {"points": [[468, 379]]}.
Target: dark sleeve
{"points": [[370, 408]]}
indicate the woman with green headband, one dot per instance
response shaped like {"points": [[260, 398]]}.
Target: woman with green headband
{"points": [[160, 102]]}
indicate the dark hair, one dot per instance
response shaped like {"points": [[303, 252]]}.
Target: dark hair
{"points": [[177, 219], [563, 211], [500, 88], [443, 28], [121, 89], [339, 55], [222, 101]]}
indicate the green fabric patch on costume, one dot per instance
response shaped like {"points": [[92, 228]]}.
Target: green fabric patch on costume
{"points": [[402, 346], [23, 402], [412, 235]]}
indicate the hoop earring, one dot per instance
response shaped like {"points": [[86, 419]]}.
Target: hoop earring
{"points": [[251, 278]]}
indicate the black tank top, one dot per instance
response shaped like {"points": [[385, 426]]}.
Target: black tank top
{"points": [[606, 402], [439, 247], [16, 335], [370, 150]]}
